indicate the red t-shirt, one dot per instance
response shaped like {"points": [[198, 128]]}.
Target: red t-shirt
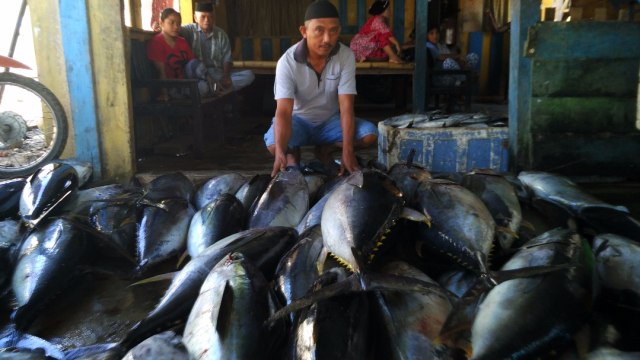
{"points": [[173, 58]]}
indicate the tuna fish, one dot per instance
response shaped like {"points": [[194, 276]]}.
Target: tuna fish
{"points": [[163, 232], [500, 198], [47, 261], [220, 218], [48, 187], [337, 328], [560, 192], [251, 190], [411, 321], [300, 267], [10, 191], [414, 314], [358, 213], [170, 186], [227, 183], [83, 169], [110, 211], [525, 317], [283, 203], [220, 325], [264, 247], [10, 236], [314, 215], [408, 177], [462, 226], [619, 274], [357, 216]]}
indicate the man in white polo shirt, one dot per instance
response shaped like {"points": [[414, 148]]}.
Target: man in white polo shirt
{"points": [[315, 88]]}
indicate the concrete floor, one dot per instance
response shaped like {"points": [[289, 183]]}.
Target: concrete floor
{"points": [[243, 150]]}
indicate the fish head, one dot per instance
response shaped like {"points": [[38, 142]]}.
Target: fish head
{"points": [[358, 215]]}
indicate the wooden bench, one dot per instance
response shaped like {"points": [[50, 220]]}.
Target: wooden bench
{"points": [[145, 86]]}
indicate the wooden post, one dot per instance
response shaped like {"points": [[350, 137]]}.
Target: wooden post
{"points": [[111, 88], [420, 71]]}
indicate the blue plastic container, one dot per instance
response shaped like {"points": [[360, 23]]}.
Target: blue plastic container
{"points": [[451, 149]]}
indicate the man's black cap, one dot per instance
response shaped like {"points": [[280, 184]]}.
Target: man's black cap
{"points": [[320, 9]]}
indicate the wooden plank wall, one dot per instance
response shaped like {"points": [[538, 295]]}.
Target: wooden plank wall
{"points": [[353, 15], [584, 98]]}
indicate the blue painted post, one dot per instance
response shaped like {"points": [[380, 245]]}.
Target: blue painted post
{"points": [[362, 13], [77, 52], [420, 71], [524, 14]]}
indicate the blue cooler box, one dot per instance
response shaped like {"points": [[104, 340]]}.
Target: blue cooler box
{"points": [[451, 149]]}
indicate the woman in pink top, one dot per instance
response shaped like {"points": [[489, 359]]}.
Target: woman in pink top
{"points": [[375, 41]]}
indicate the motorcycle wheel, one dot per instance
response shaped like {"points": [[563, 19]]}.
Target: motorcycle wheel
{"points": [[33, 125]]}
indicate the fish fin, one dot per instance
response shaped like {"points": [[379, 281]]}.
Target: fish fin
{"points": [[161, 277], [390, 282], [113, 350], [414, 215], [329, 291], [223, 322], [356, 179], [322, 258], [602, 247], [507, 231], [504, 275], [528, 225], [103, 241], [182, 259]]}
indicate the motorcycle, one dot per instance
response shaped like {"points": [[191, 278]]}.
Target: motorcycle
{"points": [[33, 123]]}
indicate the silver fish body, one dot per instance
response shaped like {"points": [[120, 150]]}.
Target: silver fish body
{"points": [[46, 189], [162, 233], [220, 324], [46, 262], [228, 183], [501, 200], [220, 218], [462, 228], [525, 317], [10, 192], [284, 202], [170, 186]]}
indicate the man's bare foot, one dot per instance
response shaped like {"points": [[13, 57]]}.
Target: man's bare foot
{"points": [[396, 60]]}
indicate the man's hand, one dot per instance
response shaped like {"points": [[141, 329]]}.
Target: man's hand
{"points": [[349, 163], [279, 163], [226, 81]]}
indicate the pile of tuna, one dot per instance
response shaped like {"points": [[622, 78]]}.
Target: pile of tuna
{"points": [[380, 264]]}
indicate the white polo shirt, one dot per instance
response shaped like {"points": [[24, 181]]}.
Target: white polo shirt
{"points": [[315, 98]]}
